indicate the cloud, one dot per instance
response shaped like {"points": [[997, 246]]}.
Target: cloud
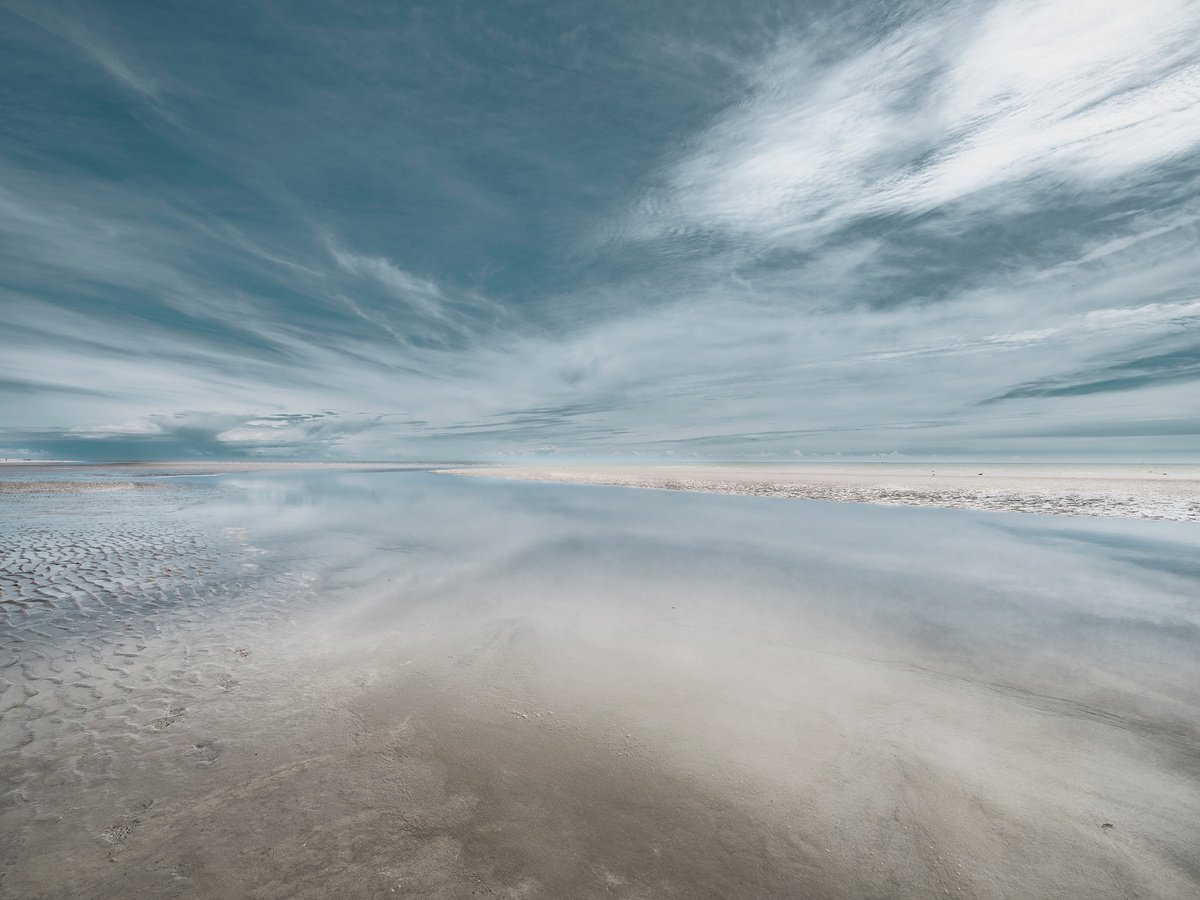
{"points": [[825, 231], [946, 107], [1159, 368], [205, 434], [70, 27], [423, 295]]}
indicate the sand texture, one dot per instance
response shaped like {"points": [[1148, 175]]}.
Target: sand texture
{"points": [[72, 487], [395, 684], [1170, 493]]}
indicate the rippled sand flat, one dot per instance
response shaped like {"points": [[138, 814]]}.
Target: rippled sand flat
{"points": [[72, 487], [340, 683], [1170, 493]]}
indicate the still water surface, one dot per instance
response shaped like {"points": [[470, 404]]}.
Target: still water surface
{"points": [[312, 682]]}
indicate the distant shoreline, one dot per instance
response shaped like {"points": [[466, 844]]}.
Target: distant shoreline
{"points": [[1158, 492], [1114, 490]]}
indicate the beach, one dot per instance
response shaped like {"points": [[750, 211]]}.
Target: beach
{"points": [[600, 451], [1164, 492], [312, 682]]}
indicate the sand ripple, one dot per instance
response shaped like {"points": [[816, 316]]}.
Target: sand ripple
{"points": [[117, 621]]}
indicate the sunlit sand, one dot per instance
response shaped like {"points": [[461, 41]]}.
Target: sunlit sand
{"points": [[1169, 492]]}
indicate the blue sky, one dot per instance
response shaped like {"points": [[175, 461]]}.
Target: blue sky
{"points": [[667, 230]]}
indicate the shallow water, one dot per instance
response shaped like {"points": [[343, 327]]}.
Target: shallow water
{"points": [[330, 682]]}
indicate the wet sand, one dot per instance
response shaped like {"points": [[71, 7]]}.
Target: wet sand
{"points": [[312, 684], [72, 487], [1170, 493]]}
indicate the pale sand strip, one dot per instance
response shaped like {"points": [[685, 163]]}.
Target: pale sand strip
{"points": [[1170, 493]]}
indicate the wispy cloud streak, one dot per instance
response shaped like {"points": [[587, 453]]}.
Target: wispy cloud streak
{"points": [[954, 102], [922, 228]]}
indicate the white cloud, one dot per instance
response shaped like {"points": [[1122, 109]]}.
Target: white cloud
{"points": [[941, 109], [422, 294]]}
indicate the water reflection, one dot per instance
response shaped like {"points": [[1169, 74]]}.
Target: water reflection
{"points": [[633, 669], [1021, 595]]}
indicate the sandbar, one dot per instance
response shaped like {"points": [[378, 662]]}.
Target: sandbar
{"points": [[1166, 493]]}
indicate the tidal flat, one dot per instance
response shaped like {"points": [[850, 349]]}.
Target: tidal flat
{"points": [[313, 682]]}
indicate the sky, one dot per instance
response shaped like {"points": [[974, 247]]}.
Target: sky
{"points": [[663, 230]]}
